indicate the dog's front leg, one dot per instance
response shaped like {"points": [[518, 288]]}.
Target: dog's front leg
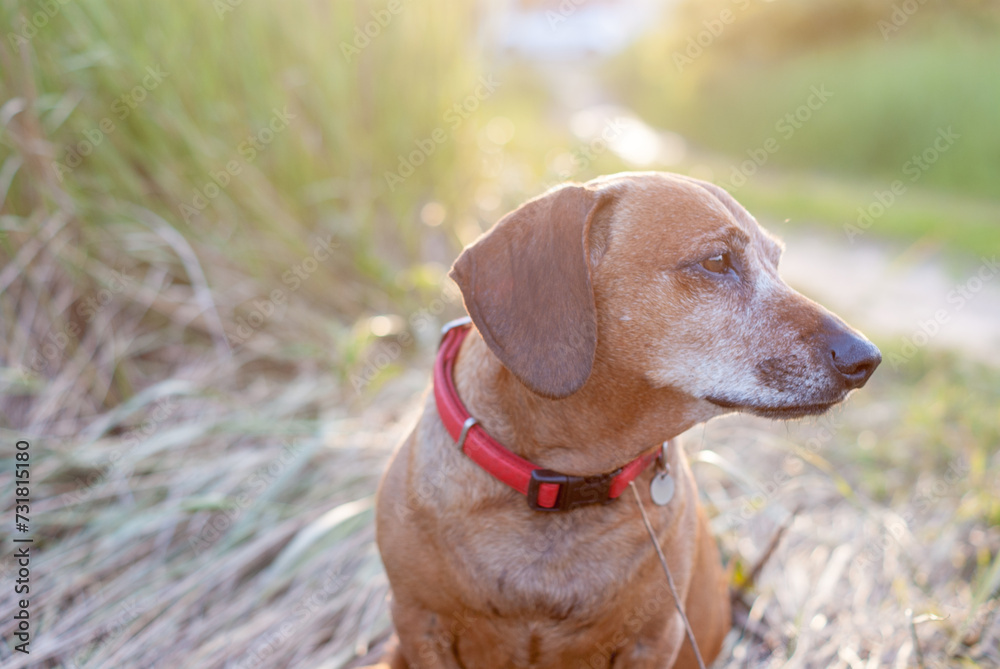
{"points": [[426, 639], [655, 649]]}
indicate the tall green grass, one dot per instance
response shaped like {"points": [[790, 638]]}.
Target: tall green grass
{"points": [[227, 73], [119, 123]]}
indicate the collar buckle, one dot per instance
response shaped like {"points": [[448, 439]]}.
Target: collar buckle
{"points": [[574, 491]]}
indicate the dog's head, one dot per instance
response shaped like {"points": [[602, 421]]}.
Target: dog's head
{"points": [[662, 278]]}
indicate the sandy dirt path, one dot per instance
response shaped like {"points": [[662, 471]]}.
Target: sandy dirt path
{"points": [[910, 301]]}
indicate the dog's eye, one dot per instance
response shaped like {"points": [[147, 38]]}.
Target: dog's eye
{"points": [[718, 264]]}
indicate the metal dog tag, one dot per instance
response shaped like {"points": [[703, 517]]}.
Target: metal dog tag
{"points": [[661, 488]]}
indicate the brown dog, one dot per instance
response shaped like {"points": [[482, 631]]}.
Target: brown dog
{"points": [[609, 317]]}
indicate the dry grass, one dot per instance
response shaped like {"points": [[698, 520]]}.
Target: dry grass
{"points": [[237, 528], [164, 516], [853, 583], [220, 515]]}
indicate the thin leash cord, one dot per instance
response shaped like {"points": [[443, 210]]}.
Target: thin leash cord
{"points": [[670, 579]]}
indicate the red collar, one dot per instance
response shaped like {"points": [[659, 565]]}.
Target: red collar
{"points": [[546, 490]]}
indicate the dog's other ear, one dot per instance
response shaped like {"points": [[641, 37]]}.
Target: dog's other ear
{"points": [[526, 285]]}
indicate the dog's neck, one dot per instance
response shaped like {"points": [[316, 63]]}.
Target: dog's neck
{"points": [[608, 423]]}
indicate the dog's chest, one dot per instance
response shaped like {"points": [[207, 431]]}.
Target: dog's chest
{"points": [[563, 567], [558, 593]]}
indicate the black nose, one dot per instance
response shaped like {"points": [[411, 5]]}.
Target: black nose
{"points": [[854, 357]]}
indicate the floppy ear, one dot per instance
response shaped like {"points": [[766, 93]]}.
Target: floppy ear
{"points": [[526, 285]]}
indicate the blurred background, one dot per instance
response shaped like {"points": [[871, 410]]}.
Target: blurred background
{"points": [[225, 229]]}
